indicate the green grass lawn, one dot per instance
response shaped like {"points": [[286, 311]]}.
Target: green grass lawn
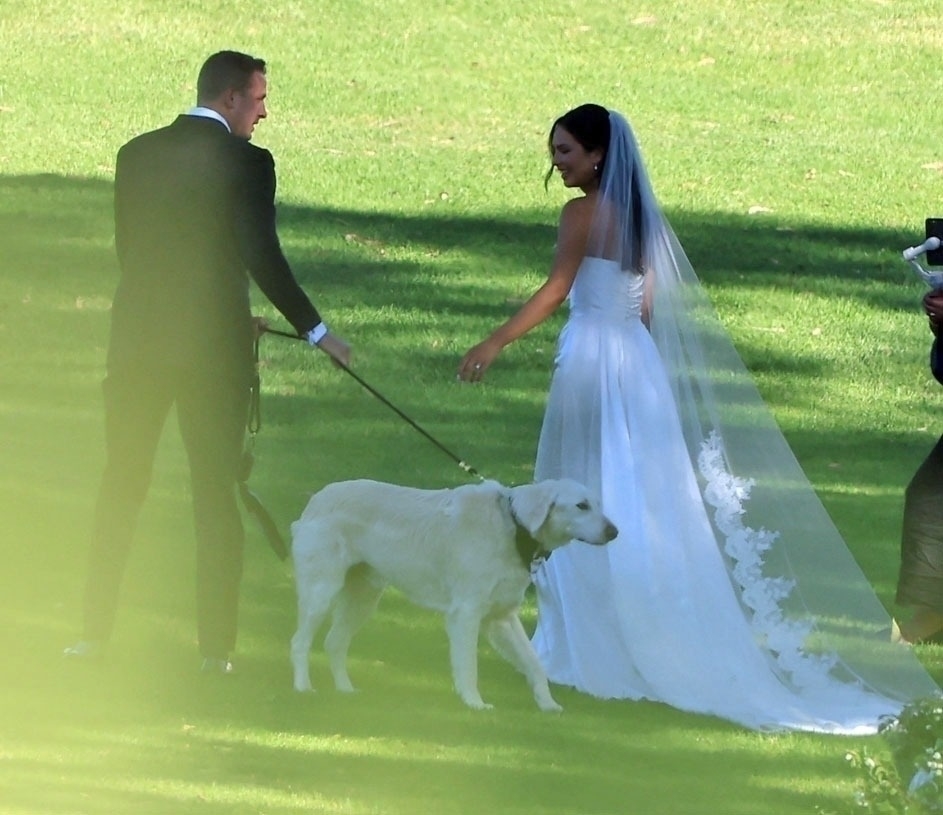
{"points": [[795, 147]]}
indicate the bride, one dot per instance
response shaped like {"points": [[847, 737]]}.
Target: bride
{"points": [[728, 591]]}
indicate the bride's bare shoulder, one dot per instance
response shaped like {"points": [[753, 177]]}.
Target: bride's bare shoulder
{"points": [[580, 204], [577, 213]]}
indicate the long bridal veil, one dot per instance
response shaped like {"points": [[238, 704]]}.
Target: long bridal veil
{"points": [[809, 605]]}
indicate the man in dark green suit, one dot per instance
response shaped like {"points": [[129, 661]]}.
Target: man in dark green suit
{"points": [[194, 220]]}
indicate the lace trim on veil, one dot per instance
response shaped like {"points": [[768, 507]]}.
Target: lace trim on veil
{"points": [[761, 595]]}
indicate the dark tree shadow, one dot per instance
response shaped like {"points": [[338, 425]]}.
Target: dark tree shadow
{"points": [[56, 234], [59, 273]]}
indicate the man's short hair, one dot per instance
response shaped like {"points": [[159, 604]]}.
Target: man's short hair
{"points": [[225, 71]]}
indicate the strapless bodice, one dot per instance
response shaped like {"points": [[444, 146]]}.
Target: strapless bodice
{"points": [[603, 289]]}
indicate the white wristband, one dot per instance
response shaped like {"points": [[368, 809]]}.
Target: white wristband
{"points": [[316, 334]]}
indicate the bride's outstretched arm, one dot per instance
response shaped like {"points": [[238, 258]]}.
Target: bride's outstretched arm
{"points": [[571, 244]]}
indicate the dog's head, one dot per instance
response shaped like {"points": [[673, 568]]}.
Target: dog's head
{"points": [[556, 512]]}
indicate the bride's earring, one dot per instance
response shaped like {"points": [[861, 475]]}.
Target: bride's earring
{"points": [[596, 169]]}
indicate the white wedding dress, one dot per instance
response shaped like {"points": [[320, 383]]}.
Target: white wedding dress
{"points": [[656, 614]]}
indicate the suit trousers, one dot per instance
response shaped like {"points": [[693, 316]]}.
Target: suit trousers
{"points": [[212, 407]]}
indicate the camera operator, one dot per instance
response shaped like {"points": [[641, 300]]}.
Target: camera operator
{"points": [[920, 581]]}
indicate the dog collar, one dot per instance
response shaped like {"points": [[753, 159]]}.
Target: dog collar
{"points": [[529, 550]]}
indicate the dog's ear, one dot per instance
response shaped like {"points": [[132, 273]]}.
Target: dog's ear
{"points": [[531, 504]]}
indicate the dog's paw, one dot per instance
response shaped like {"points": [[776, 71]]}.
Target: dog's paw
{"points": [[550, 706], [478, 704]]}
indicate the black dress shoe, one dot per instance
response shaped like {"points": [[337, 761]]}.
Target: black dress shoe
{"points": [[219, 667]]}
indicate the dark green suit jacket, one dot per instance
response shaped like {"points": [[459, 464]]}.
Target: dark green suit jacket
{"points": [[194, 219]]}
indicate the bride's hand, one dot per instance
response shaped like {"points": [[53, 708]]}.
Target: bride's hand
{"points": [[476, 361]]}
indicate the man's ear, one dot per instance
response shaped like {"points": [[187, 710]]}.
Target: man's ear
{"points": [[224, 102]]}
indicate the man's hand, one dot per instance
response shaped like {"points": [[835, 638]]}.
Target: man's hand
{"points": [[336, 348]]}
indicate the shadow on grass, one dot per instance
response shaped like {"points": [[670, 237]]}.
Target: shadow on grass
{"points": [[725, 249], [144, 735], [405, 290], [385, 278], [378, 276], [51, 215]]}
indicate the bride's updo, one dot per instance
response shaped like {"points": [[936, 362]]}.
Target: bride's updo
{"points": [[589, 125]]}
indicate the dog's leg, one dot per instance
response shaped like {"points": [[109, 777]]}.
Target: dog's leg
{"points": [[354, 606], [509, 639], [463, 627], [317, 584], [313, 606]]}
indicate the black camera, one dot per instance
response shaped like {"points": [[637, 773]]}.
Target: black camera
{"points": [[935, 230]]}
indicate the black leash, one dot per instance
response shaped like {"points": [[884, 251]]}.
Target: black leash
{"points": [[249, 499], [460, 462], [254, 422], [529, 550]]}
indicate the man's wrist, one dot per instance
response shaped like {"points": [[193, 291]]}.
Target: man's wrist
{"points": [[316, 334]]}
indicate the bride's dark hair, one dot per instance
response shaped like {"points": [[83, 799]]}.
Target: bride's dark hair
{"points": [[589, 125]]}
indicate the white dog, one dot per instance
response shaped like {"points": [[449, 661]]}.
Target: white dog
{"points": [[465, 552]]}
